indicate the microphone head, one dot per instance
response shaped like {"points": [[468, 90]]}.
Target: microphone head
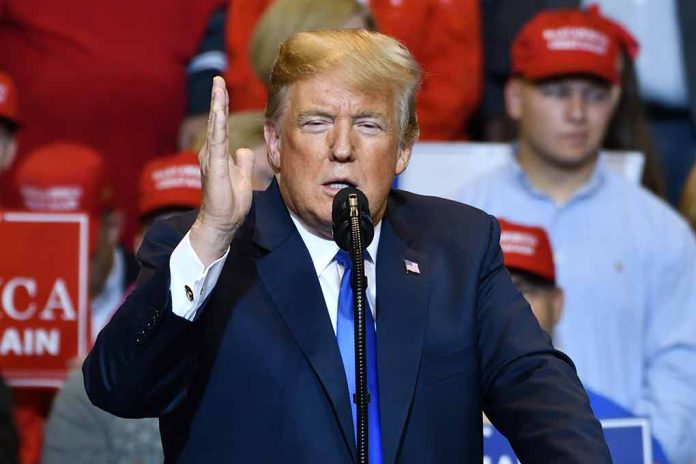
{"points": [[340, 214]]}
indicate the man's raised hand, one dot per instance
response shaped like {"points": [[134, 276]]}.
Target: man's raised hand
{"points": [[226, 184]]}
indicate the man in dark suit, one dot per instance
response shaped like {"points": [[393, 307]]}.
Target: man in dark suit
{"points": [[231, 334]]}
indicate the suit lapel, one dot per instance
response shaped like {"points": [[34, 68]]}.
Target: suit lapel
{"points": [[287, 273], [402, 300]]}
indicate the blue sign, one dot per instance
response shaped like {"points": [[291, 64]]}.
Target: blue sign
{"points": [[628, 440]]}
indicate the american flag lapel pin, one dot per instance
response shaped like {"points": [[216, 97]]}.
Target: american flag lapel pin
{"points": [[411, 267]]}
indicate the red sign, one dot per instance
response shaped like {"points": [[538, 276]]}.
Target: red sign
{"points": [[44, 306]]}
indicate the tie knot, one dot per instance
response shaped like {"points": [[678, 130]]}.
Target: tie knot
{"points": [[343, 258]]}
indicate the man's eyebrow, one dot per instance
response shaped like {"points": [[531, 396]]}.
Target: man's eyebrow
{"points": [[370, 114], [314, 113]]}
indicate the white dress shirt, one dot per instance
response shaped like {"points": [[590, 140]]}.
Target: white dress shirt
{"points": [[191, 283]]}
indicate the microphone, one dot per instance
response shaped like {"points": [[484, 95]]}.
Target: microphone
{"points": [[350, 202], [353, 232]]}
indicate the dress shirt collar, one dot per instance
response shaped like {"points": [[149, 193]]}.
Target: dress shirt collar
{"points": [[323, 251], [592, 185]]}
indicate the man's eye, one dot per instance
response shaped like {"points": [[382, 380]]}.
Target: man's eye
{"points": [[556, 91], [597, 95], [314, 124], [369, 126]]}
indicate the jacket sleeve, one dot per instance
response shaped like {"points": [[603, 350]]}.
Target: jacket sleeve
{"points": [[530, 391], [143, 360]]}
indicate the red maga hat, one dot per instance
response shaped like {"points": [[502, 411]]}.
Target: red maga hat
{"points": [[527, 249], [571, 41], [66, 177], [170, 182]]}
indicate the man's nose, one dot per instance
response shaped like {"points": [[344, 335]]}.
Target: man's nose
{"points": [[576, 107], [341, 140]]}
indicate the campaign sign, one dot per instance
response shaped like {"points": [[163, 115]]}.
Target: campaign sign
{"points": [[44, 307], [496, 448], [628, 440]]}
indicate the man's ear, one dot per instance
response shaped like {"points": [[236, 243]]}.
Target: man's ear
{"points": [[403, 157], [272, 136], [616, 91], [558, 300], [513, 97]]}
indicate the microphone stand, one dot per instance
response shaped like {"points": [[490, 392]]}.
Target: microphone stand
{"points": [[359, 284]]}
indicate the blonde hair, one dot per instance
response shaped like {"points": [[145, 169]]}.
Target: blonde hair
{"points": [[285, 17], [369, 61], [244, 130]]}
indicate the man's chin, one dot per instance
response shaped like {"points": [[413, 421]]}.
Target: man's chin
{"points": [[575, 160], [320, 223]]}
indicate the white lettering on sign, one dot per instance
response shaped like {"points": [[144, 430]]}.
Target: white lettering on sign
{"points": [[30, 342], [8, 298], [58, 300]]}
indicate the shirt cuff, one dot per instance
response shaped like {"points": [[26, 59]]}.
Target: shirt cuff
{"points": [[191, 283]]}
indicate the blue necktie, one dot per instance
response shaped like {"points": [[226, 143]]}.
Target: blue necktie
{"points": [[346, 345]]}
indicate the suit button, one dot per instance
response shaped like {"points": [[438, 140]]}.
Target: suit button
{"points": [[189, 292]]}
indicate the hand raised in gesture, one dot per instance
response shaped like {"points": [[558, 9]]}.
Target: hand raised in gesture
{"points": [[226, 184]]}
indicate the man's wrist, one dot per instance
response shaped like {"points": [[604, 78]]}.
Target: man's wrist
{"points": [[210, 243]]}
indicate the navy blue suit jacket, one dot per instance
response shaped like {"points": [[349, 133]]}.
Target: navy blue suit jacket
{"points": [[257, 377]]}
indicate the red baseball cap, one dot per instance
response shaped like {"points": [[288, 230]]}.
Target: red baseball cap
{"points": [[571, 41], [9, 106], [170, 182], [527, 249], [65, 177]]}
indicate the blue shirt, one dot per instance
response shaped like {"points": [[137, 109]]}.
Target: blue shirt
{"points": [[627, 264]]}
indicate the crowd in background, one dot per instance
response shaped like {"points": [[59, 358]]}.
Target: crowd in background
{"points": [[114, 100]]}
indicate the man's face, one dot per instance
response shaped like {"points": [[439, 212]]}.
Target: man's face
{"points": [[562, 121], [545, 300], [330, 136]]}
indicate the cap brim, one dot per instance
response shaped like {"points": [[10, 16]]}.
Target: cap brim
{"points": [[181, 199], [544, 69]]}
